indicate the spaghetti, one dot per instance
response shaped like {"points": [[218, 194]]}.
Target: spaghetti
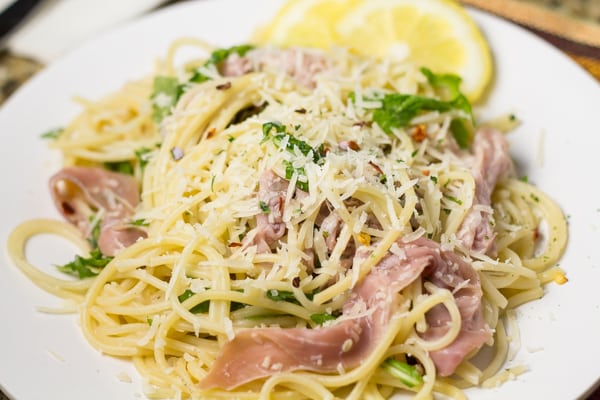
{"points": [[310, 225]]}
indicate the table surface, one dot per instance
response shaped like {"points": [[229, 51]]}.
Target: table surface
{"points": [[15, 70]]}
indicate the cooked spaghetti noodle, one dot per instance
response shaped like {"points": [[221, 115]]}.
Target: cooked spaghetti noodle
{"points": [[272, 194]]}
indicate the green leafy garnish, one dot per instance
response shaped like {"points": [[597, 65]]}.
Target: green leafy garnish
{"points": [[139, 222], [122, 167], [282, 295], [291, 142], [217, 57], [397, 110], [94, 232], [166, 91], [142, 156], [198, 308], [86, 267], [460, 132], [203, 306], [52, 134], [282, 139], [407, 374], [449, 84], [321, 318], [264, 207]]}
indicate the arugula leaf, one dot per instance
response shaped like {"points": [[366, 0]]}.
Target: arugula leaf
{"points": [[85, 267], [52, 134], [407, 374], [166, 91], [217, 57], [448, 82], [397, 110], [461, 133]]}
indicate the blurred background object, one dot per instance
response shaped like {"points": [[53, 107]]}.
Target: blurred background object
{"points": [[571, 25]]}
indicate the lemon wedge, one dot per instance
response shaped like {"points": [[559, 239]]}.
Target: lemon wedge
{"points": [[438, 34]]}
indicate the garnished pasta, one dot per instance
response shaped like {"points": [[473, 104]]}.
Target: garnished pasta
{"points": [[302, 224]]}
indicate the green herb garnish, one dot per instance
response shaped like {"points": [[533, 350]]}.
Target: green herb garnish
{"points": [[85, 267], [217, 57], [122, 167], [407, 374], [321, 318], [166, 91], [52, 134]]}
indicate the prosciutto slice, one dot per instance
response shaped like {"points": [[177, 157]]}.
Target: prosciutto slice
{"points": [[491, 162], [300, 65], [79, 193], [260, 352], [270, 227]]}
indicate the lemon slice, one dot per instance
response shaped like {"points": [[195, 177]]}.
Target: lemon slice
{"points": [[438, 34]]}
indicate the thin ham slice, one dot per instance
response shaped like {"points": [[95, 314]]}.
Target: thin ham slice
{"points": [[272, 190], [491, 162], [260, 352], [79, 193]]}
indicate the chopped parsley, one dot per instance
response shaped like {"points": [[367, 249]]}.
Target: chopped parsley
{"points": [[321, 318], [52, 134], [282, 139], [264, 207], [407, 374], [453, 199]]}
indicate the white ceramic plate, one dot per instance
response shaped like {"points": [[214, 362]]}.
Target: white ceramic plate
{"points": [[557, 147]]}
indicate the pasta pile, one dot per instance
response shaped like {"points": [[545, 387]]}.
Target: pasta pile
{"points": [[274, 184]]}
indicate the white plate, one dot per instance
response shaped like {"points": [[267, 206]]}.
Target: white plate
{"points": [[557, 147]]}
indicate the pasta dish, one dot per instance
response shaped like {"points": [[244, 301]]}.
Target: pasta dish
{"points": [[294, 223]]}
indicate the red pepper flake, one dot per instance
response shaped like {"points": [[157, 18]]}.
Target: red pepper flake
{"points": [[211, 132], [300, 110], [376, 167], [361, 124], [235, 244], [419, 134], [224, 86], [296, 282], [349, 145], [426, 172]]}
